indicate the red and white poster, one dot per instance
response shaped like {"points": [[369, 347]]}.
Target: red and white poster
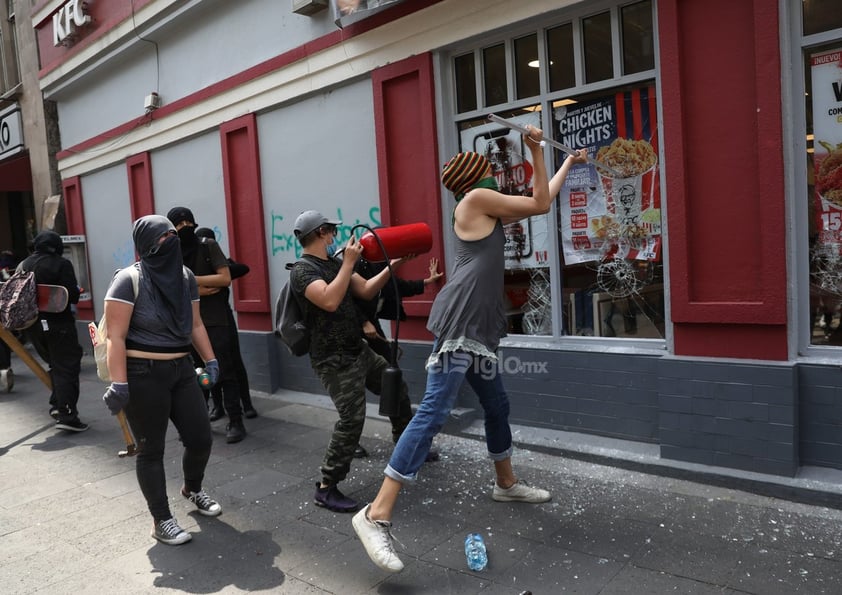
{"points": [[613, 214], [826, 71]]}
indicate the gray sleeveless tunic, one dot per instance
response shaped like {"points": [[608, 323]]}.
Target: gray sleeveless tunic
{"points": [[468, 313]]}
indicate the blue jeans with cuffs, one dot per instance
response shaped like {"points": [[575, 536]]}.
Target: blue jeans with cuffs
{"points": [[444, 379]]}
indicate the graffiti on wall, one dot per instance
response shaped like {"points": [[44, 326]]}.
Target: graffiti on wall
{"points": [[284, 241], [124, 255]]}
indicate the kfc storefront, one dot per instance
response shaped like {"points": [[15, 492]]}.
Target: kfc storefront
{"points": [[681, 292]]}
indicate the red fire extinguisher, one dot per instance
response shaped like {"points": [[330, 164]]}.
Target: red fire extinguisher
{"points": [[398, 241]]}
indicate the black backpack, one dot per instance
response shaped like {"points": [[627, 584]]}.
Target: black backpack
{"points": [[290, 324]]}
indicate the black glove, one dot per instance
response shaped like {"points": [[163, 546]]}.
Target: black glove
{"points": [[116, 397], [212, 370]]}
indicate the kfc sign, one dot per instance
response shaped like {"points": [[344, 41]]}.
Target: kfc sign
{"points": [[67, 19]]}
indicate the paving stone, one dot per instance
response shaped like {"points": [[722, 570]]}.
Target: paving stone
{"points": [[73, 520]]}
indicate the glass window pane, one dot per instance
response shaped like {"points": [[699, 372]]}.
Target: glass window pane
{"points": [[824, 191], [610, 223], [821, 15], [494, 73], [527, 69], [638, 47], [466, 83], [560, 52], [596, 35]]}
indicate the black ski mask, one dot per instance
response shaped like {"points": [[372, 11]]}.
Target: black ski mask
{"points": [[189, 240], [187, 234]]}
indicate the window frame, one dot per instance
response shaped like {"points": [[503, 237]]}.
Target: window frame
{"points": [[793, 89], [448, 124]]}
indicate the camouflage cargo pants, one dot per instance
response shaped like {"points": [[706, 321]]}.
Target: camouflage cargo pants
{"points": [[346, 378]]}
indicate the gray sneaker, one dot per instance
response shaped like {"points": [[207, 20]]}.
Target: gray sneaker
{"points": [[520, 492], [203, 502], [170, 533], [376, 537]]}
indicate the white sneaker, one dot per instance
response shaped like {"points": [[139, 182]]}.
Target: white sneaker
{"points": [[7, 380], [520, 492], [376, 538]]}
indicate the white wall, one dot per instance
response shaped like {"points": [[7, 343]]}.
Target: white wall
{"points": [[318, 154], [189, 174], [212, 41], [108, 223]]}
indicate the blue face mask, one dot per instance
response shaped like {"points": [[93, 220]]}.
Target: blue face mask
{"points": [[331, 248]]}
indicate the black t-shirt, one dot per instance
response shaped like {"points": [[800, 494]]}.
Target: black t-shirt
{"points": [[208, 259], [338, 332]]}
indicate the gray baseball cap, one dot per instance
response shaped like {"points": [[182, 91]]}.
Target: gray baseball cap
{"points": [[310, 221]]}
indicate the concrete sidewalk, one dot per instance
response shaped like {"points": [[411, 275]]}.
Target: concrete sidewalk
{"points": [[72, 519]]}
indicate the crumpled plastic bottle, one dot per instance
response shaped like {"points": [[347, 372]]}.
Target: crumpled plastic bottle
{"points": [[475, 552], [203, 378]]}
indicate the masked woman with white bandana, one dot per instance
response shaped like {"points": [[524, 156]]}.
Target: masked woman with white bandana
{"points": [[150, 332], [467, 320]]}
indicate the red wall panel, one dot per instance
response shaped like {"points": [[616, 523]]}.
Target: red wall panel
{"points": [[246, 233], [724, 177], [75, 214], [405, 131], [141, 197]]}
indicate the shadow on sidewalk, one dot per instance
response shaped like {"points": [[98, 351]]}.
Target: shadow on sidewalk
{"points": [[219, 556], [22, 439]]}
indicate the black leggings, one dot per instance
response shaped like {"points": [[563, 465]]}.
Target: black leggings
{"points": [[163, 390]]}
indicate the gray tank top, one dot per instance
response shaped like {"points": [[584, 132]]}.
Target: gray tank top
{"points": [[468, 313]]}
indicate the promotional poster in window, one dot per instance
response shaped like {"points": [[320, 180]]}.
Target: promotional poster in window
{"points": [[826, 71], [527, 241], [603, 215]]}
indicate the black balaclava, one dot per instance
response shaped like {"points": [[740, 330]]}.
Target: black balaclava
{"points": [[162, 265], [187, 234], [48, 242], [205, 232]]}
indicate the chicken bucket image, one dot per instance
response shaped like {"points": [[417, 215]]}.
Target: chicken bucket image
{"points": [[628, 198]]}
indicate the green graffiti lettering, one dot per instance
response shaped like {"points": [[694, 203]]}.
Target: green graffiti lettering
{"points": [[284, 241]]}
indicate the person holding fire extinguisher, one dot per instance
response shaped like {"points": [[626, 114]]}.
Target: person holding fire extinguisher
{"points": [[339, 355]]}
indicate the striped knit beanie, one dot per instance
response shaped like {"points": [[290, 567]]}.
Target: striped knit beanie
{"points": [[463, 171]]}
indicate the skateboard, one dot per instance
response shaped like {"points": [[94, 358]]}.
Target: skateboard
{"points": [[52, 298]]}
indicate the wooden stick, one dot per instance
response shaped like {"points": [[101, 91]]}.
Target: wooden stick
{"points": [[15, 345], [131, 447]]}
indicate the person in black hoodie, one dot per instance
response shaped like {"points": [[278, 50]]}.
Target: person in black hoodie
{"points": [[210, 266], [238, 270], [388, 306], [54, 334]]}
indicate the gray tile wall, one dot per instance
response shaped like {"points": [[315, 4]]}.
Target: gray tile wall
{"points": [[763, 417], [820, 410]]}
